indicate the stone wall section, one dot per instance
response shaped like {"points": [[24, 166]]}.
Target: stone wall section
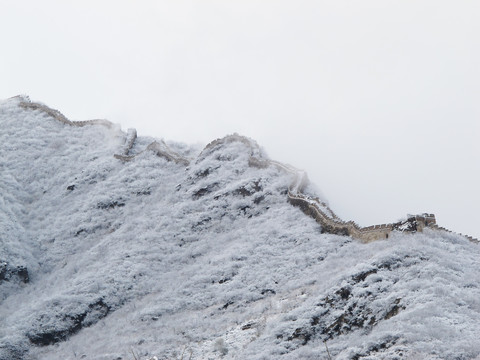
{"points": [[471, 238], [161, 149], [331, 223], [313, 207], [130, 141], [57, 115]]}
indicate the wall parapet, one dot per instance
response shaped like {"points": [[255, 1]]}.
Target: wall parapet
{"points": [[57, 115]]}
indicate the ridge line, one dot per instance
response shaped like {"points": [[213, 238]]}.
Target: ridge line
{"points": [[310, 206]]}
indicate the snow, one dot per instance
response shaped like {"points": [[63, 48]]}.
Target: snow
{"points": [[207, 260]]}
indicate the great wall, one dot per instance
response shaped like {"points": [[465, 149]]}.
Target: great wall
{"points": [[57, 115], [314, 207], [321, 212]]}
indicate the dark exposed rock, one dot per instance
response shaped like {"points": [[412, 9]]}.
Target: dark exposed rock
{"points": [[80, 232], [110, 205], [244, 191], [363, 275], [409, 225], [248, 326], [205, 172], [227, 304], [92, 229], [301, 334], [11, 352], [395, 309], [205, 190], [199, 225], [3, 270], [225, 278], [244, 209], [268, 291], [68, 324], [13, 273], [344, 293], [70, 187], [345, 310], [386, 343], [392, 263], [259, 199], [22, 273], [225, 157]]}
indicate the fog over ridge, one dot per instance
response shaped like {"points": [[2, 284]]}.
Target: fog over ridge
{"points": [[376, 101]]}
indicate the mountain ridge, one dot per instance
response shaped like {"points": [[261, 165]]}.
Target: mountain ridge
{"points": [[209, 259], [319, 210]]}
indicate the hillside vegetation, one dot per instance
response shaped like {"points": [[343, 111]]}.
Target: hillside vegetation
{"points": [[177, 251]]}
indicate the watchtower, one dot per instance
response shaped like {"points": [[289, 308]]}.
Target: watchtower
{"points": [[425, 220]]}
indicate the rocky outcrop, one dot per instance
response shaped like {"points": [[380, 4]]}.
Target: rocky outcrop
{"points": [[50, 331], [13, 273]]}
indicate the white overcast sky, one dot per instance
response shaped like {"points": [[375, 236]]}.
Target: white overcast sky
{"points": [[379, 101]]}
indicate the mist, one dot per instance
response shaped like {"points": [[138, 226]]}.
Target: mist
{"points": [[377, 101]]}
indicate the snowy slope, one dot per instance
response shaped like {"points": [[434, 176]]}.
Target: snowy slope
{"points": [[104, 258]]}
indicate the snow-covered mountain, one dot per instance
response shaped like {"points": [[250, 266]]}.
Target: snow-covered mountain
{"points": [[118, 247]]}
